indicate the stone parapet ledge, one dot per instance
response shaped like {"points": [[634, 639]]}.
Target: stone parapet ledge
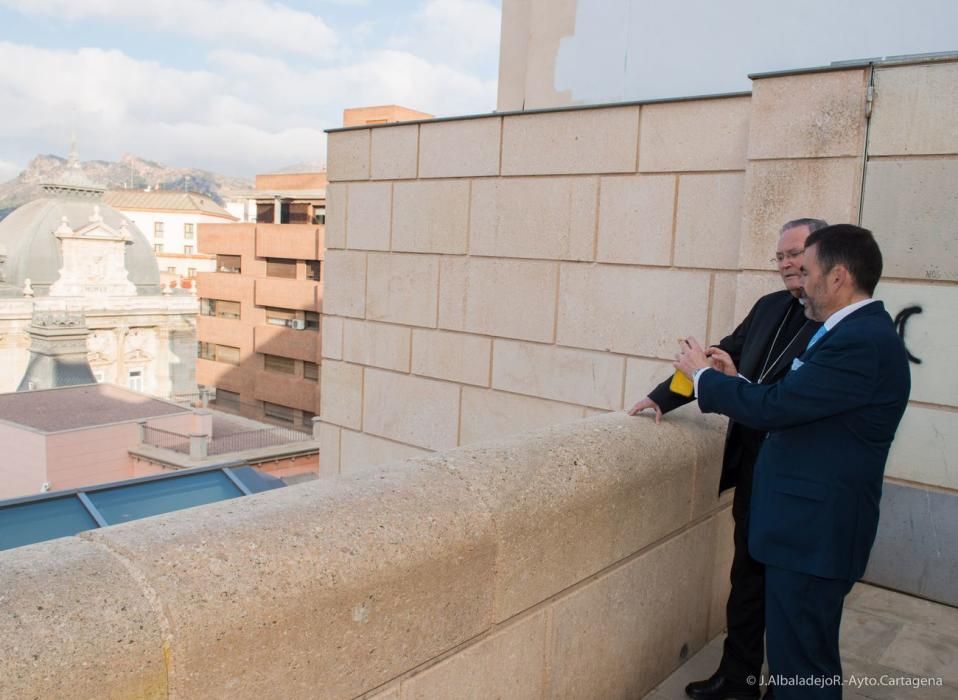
{"points": [[412, 578]]}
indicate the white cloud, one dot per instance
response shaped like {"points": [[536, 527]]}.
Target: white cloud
{"points": [[243, 114], [233, 22], [455, 32]]}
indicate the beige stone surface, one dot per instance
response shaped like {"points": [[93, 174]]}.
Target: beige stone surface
{"points": [[722, 318], [335, 233], [341, 402], [572, 500], [457, 357], [368, 218], [915, 109], [77, 624], [779, 191], [347, 155], [643, 311], [808, 116], [488, 415], [503, 298], [416, 411], [431, 216], [925, 449], [709, 220], [467, 148], [332, 337], [548, 24], [573, 376], [642, 376], [546, 218], [624, 633], [709, 445], [636, 214], [564, 143], [911, 206], [344, 290], [916, 650], [721, 584], [329, 449], [752, 286], [509, 664], [397, 569], [402, 288], [931, 336], [391, 693], [394, 152], [376, 344], [694, 135], [361, 451]]}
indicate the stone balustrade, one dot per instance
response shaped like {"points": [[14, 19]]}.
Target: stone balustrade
{"points": [[584, 560]]}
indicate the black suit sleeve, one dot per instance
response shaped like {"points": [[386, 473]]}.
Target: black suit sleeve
{"points": [[733, 344]]}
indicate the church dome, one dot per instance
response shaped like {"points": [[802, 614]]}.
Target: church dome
{"points": [[29, 248]]}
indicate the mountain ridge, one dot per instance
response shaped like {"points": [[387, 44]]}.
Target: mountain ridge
{"points": [[130, 172]]}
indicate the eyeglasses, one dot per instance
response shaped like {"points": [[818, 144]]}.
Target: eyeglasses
{"points": [[787, 255]]}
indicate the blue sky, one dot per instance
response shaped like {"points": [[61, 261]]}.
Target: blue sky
{"points": [[237, 86]]}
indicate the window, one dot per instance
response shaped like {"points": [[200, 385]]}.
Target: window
{"points": [[282, 317], [312, 321], [188, 232], [187, 250], [307, 419], [227, 399], [157, 229], [229, 263], [220, 308], [157, 247], [277, 412], [171, 269], [278, 267], [311, 371], [282, 365], [264, 212], [218, 353], [298, 213], [134, 380], [191, 272], [313, 269]]}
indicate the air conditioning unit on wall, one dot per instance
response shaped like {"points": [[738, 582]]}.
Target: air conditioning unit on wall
{"points": [[297, 324]]}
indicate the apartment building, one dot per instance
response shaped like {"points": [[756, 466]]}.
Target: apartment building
{"points": [[258, 329], [169, 219]]}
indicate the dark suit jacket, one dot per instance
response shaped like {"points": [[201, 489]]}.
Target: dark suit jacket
{"points": [[818, 478], [748, 346]]}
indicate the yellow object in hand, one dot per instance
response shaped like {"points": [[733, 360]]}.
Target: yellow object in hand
{"points": [[681, 384]]}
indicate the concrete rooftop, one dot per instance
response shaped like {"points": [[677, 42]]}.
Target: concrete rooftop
{"points": [[884, 634], [84, 406]]}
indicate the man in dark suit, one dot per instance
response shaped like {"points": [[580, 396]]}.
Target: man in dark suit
{"points": [[818, 478], [763, 346]]}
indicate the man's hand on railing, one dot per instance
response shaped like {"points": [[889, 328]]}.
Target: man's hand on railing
{"points": [[644, 404]]}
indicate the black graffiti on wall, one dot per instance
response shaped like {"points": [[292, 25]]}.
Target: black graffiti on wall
{"points": [[900, 320]]}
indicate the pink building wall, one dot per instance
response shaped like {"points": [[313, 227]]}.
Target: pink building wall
{"points": [[23, 467], [89, 456]]}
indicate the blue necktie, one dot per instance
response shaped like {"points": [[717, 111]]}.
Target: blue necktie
{"points": [[796, 363], [818, 335]]}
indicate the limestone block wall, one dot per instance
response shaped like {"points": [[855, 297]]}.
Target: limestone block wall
{"points": [[580, 561], [492, 275]]}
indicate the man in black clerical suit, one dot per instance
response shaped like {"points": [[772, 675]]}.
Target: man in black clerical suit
{"points": [[763, 346]]}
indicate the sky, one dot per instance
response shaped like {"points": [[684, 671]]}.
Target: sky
{"points": [[234, 86]]}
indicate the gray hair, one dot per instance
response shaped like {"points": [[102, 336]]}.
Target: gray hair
{"points": [[813, 225]]}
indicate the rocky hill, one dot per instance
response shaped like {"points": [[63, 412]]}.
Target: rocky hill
{"points": [[130, 172]]}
